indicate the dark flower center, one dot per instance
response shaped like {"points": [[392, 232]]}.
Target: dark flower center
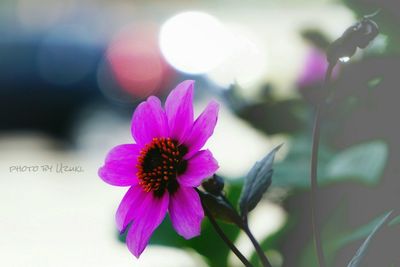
{"points": [[159, 164]]}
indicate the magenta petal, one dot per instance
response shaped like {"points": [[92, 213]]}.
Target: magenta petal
{"points": [[149, 121], [201, 166], [186, 212], [202, 129], [150, 214], [120, 165], [128, 208], [179, 109]]}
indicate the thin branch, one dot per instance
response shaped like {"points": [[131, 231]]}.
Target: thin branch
{"points": [[313, 177], [227, 241], [264, 260]]}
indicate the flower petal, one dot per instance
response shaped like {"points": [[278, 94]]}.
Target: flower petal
{"points": [[186, 212], [128, 208], [149, 121], [201, 166], [202, 129], [149, 215], [120, 165], [179, 109]]}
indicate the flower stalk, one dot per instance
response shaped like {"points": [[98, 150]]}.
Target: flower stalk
{"points": [[224, 238], [314, 173], [213, 208], [357, 36], [264, 260]]}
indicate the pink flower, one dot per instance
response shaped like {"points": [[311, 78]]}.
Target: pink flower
{"points": [[163, 167]]}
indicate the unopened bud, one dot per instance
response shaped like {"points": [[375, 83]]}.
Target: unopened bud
{"points": [[214, 185], [359, 35]]}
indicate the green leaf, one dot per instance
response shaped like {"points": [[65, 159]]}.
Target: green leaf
{"points": [[395, 221], [220, 208], [374, 82], [257, 182], [355, 262], [364, 163]]}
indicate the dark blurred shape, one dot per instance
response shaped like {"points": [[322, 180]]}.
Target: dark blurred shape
{"points": [[316, 38], [270, 115], [43, 85], [220, 208]]}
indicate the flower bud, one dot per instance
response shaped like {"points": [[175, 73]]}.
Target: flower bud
{"points": [[214, 185], [359, 35], [369, 30]]}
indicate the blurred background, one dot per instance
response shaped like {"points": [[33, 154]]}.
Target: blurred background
{"points": [[72, 72]]}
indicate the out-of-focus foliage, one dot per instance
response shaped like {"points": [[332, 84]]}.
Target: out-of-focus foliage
{"points": [[294, 170], [293, 113], [336, 236], [363, 163]]}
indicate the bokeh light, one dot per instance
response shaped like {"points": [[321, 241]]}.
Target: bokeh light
{"points": [[246, 65], [135, 60], [344, 59], [194, 42]]}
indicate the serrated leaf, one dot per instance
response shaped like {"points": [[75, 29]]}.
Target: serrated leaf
{"points": [[256, 183], [220, 208], [364, 162], [356, 260]]}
